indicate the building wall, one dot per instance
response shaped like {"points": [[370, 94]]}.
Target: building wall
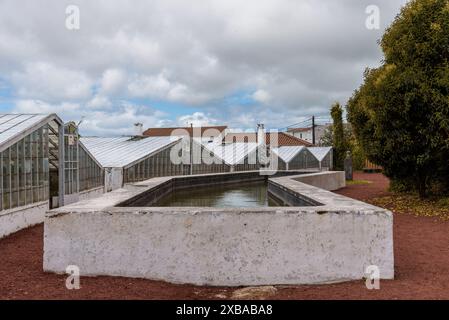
{"points": [[113, 179], [308, 136], [92, 193]]}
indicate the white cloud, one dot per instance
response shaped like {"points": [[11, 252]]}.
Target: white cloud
{"points": [[182, 93], [112, 81], [299, 55], [130, 47], [99, 102], [159, 87], [47, 82], [198, 119], [149, 86], [261, 96], [120, 121], [115, 122], [38, 106]]}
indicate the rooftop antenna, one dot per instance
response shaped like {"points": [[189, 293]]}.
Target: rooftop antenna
{"points": [[81, 121]]}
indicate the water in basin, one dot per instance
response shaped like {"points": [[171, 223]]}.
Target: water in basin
{"points": [[221, 196]]}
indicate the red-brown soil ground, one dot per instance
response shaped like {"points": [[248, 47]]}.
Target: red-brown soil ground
{"points": [[421, 265]]}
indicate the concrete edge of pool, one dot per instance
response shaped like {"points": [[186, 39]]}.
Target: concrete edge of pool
{"points": [[332, 242]]}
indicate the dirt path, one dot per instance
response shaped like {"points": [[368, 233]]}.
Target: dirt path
{"points": [[421, 259]]}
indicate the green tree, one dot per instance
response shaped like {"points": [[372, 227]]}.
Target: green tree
{"points": [[338, 135], [400, 114], [358, 156]]}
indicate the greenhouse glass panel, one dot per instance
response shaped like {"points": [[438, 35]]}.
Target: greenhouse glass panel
{"points": [[24, 171]]}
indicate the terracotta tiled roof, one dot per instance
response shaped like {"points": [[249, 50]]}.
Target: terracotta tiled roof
{"points": [[163, 132], [284, 139], [289, 140]]}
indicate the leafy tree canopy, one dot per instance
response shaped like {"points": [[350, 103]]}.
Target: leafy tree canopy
{"points": [[400, 114]]}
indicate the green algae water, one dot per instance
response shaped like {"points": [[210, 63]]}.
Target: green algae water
{"points": [[249, 195]]}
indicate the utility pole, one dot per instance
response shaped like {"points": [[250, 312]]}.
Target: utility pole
{"points": [[313, 130], [191, 148]]}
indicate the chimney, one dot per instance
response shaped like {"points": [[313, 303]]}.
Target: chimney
{"points": [[260, 134], [138, 129]]}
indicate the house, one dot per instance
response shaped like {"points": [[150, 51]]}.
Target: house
{"points": [[208, 132], [307, 133], [275, 139]]}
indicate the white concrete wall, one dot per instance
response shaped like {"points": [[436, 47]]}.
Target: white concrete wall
{"points": [[83, 195], [71, 198], [223, 249], [328, 180], [23, 217], [113, 178], [90, 194], [222, 246]]}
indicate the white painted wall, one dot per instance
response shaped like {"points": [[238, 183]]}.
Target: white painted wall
{"points": [[90, 194], [320, 130], [223, 249], [223, 246], [83, 195], [328, 180], [23, 217], [113, 178], [71, 198]]}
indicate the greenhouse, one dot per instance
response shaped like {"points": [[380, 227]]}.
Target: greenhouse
{"points": [[138, 158], [132, 159], [324, 157], [37, 174], [235, 156], [31, 163], [295, 158]]}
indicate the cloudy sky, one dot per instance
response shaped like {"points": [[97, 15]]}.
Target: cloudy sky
{"points": [[168, 63]]}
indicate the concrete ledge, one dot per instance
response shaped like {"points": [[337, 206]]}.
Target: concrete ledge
{"points": [[331, 180], [332, 242], [91, 193], [16, 219]]}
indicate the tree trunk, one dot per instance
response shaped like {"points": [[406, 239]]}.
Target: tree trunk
{"points": [[422, 186]]}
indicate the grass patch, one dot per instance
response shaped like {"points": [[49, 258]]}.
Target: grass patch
{"points": [[412, 204], [357, 182]]}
